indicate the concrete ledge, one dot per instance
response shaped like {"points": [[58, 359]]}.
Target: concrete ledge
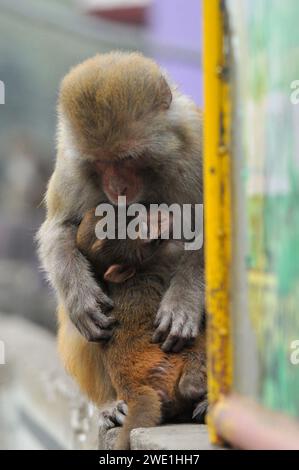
{"points": [[41, 408], [171, 437], [39, 404]]}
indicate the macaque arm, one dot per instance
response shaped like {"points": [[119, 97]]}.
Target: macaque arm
{"points": [[67, 269], [180, 313]]}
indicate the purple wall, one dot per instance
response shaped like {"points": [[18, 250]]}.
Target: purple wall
{"points": [[177, 23]]}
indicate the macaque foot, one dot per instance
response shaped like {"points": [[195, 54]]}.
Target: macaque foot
{"points": [[193, 386], [175, 327], [113, 417], [201, 411]]}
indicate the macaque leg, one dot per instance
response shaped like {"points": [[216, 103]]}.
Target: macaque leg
{"points": [[193, 382], [83, 361], [144, 410]]}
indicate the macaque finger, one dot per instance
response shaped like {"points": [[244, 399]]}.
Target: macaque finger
{"points": [[158, 318], [123, 407], [98, 335], [106, 303], [92, 331], [105, 420], [102, 321], [162, 329], [172, 332], [187, 331], [169, 343], [118, 417], [115, 416], [175, 342], [200, 411], [190, 332], [178, 346]]}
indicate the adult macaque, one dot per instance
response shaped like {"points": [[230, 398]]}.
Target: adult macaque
{"points": [[122, 131], [151, 386]]}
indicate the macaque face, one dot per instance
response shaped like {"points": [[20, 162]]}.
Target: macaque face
{"points": [[120, 178], [119, 259], [126, 252]]}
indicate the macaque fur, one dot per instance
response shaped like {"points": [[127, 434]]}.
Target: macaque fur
{"points": [[156, 386], [122, 130]]}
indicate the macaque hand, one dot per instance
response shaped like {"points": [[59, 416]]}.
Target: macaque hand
{"points": [[89, 315], [177, 323]]}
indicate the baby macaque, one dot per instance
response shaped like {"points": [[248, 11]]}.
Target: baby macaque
{"points": [[150, 385]]}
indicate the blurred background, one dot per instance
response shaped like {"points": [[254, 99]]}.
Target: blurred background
{"points": [[39, 41]]}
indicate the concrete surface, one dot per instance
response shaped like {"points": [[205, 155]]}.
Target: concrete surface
{"points": [[39, 404], [41, 408], [171, 437]]}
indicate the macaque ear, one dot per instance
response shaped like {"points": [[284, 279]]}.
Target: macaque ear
{"points": [[118, 273], [165, 93]]}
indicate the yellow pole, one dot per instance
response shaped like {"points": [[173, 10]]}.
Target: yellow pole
{"points": [[217, 205]]}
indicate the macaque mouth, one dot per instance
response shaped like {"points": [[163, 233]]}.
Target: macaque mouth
{"points": [[114, 197]]}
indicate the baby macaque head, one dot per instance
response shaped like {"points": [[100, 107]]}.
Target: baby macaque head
{"points": [[116, 260]]}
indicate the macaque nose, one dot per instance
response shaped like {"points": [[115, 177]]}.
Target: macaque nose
{"points": [[119, 181], [118, 186]]}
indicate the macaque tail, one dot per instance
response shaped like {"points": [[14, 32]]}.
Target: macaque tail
{"points": [[144, 410]]}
